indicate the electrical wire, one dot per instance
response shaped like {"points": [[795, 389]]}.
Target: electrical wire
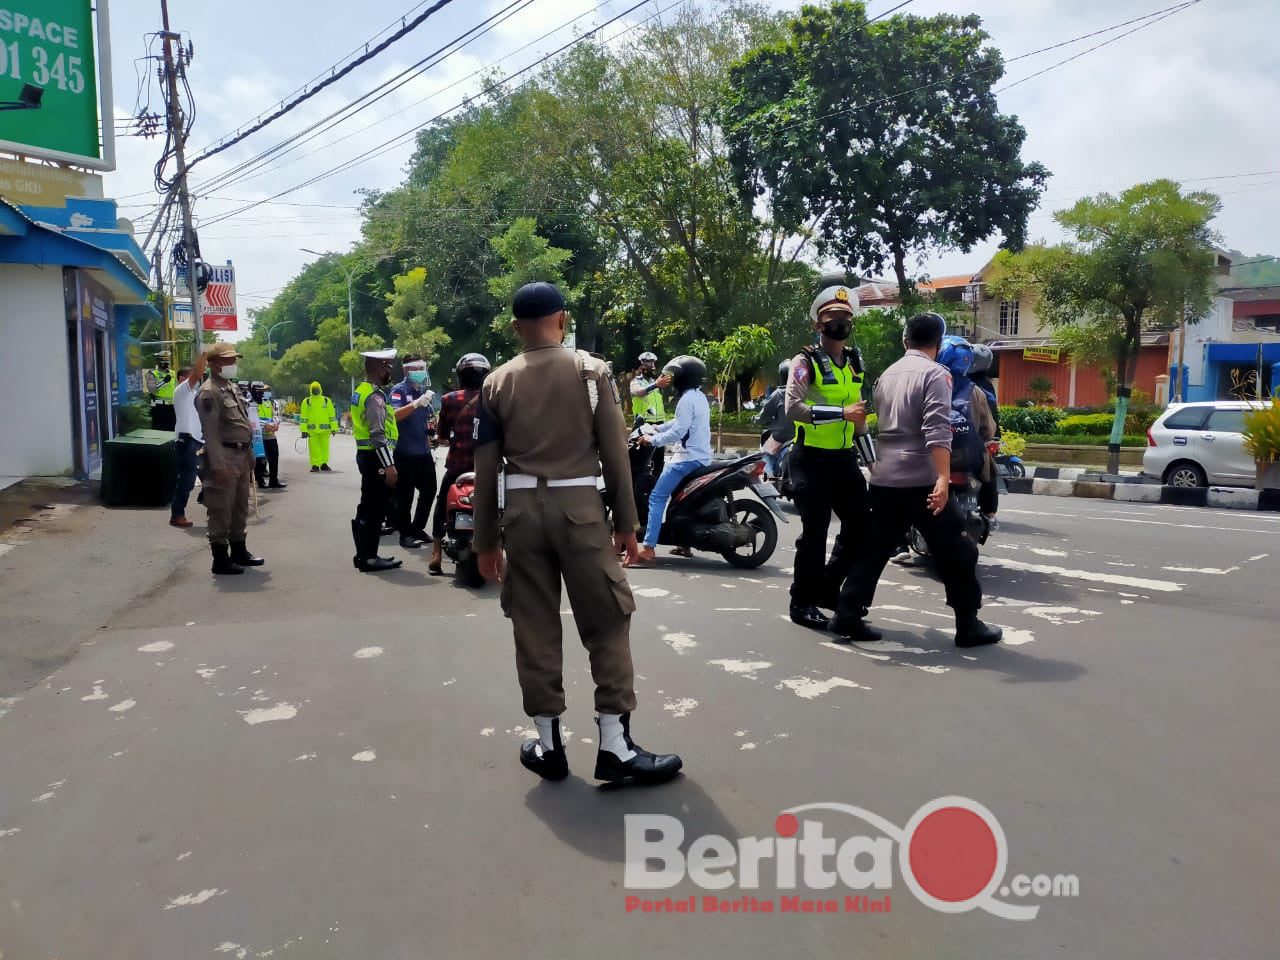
{"points": [[329, 81]]}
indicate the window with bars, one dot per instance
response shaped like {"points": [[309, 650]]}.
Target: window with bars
{"points": [[1009, 318]]}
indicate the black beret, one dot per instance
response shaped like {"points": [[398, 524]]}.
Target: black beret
{"points": [[534, 301]]}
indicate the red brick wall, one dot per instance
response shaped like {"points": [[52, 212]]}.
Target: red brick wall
{"points": [[1017, 373]]}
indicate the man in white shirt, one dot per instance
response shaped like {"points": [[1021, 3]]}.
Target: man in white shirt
{"points": [[690, 431], [189, 438]]}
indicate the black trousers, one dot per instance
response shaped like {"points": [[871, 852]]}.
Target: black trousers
{"points": [[442, 502], [989, 495], [376, 498], [272, 446], [826, 482], [893, 511], [186, 450], [417, 475], [163, 417]]}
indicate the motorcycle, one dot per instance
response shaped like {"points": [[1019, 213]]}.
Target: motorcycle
{"points": [[703, 513], [459, 531], [964, 498], [1008, 465]]}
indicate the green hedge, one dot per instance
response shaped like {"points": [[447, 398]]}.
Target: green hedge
{"points": [[1028, 420], [1084, 440], [1086, 424]]}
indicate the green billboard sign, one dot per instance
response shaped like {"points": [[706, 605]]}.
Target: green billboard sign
{"points": [[52, 99]]}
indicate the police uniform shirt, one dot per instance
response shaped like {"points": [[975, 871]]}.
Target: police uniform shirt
{"points": [[536, 413], [224, 418]]}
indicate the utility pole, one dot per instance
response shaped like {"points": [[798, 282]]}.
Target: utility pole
{"points": [[177, 129]]}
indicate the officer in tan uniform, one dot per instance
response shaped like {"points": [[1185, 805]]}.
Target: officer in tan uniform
{"points": [[228, 462], [547, 424]]}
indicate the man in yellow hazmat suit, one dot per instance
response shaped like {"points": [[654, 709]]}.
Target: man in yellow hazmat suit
{"points": [[319, 421]]}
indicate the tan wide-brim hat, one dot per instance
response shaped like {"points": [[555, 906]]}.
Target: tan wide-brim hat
{"points": [[223, 351]]}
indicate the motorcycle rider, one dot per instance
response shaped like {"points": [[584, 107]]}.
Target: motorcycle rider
{"points": [[773, 417], [454, 429], [980, 374], [824, 401], [974, 426], [691, 432]]}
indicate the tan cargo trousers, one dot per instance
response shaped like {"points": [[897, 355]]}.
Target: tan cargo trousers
{"points": [[554, 534], [228, 504]]}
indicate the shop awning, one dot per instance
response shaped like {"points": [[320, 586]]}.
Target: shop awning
{"points": [[1243, 354]]}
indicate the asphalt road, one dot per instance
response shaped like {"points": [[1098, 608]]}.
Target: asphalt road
{"points": [[307, 762]]}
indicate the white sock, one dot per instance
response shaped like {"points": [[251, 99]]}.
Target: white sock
{"points": [[612, 737], [546, 731]]}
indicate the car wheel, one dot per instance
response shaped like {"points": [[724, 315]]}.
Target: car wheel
{"points": [[1185, 475]]}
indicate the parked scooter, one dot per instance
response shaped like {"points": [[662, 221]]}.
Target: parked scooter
{"points": [[459, 531], [1008, 465], [704, 513]]}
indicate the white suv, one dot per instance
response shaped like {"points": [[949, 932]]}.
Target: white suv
{"points": [[1197, 444]]}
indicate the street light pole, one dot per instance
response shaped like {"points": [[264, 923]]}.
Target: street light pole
{"points": [[282, 323]]}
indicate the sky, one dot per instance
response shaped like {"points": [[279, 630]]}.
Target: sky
{"points": [[1194, 96]]}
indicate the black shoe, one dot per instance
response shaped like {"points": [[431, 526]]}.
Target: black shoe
{"points": [[387, 530], [222, 563], [644, 769], [423, 536], [262, 486], [972, 632], [808, 616], [377, 564], [548, 764], [855, 631], [240, 554], [315, 469], [410, 541], [324, 468], [277, 486]]}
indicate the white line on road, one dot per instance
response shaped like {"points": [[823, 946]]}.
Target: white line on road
{"points": [[1164, 586]]}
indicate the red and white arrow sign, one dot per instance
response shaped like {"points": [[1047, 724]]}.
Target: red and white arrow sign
{"points": [[218, 301]]}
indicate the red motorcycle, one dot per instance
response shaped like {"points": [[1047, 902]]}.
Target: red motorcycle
{"points": [[459, 531]]}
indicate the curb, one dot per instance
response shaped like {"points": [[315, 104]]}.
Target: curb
{"points": [[1222, 498]]}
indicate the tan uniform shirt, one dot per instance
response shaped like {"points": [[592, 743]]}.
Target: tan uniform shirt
{"points": [[224, 418], [540, 407]]}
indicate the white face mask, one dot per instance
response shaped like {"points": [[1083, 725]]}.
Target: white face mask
{"points": [[228, 372]]}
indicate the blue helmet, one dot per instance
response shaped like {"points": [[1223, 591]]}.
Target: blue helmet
{"points": [[956, 355]]}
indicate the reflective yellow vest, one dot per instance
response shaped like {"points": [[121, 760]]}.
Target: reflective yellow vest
{"points": [[360, 426], [164, 391], [831, 386], [650, 406]]}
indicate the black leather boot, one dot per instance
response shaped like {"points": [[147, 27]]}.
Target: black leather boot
{"points": [[240, 554], [550, 764], [644, 768], [222, 564], [854, 631], [366, 559], [808, 616], [972, 632]]}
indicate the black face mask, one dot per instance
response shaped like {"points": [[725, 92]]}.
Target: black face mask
{"points": [[838, 330]]}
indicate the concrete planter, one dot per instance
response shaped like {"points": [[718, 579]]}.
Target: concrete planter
{"points": [[1268, 476]]}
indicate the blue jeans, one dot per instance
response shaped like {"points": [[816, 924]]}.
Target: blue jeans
{"points": [[671, 476], [186, 450]]}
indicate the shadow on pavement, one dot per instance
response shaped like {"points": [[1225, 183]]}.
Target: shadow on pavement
{"points": [[1017, 667], [590, 819], [251, 581]]}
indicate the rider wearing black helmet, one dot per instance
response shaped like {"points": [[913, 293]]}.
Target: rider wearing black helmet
{"points": [[453, 428], [691, 433]]}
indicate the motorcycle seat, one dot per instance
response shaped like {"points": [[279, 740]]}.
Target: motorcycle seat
{"points": [[717, 465]]}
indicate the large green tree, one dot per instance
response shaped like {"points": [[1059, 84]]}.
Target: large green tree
{"points": [[411, 316], [1134, 262], [884, 138]]}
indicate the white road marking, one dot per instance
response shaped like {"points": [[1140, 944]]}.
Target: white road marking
{"points": [[1015, 637], [736, 733], [737, 609], [183, 856], [228, 947], [1118, 580], [1184, 526], [367, 653], [1061, 615], [281, 711], [680, 708], [809, 688], [650, 592], [747, 746], [450, 682], [365, 756], [96, 695], [122, 706], [194, 899], [487, 732], [680, 642], [160, 646], [742, 668], [10, 832], [305, 756]]}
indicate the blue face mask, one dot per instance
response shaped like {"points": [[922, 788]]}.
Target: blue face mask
{"points": [[418, 377]]}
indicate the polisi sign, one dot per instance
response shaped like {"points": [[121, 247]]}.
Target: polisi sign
{"points": [[218, 301]]}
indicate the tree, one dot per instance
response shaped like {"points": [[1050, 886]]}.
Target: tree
{"points": [[528, 258], [883, 137], [1135, 262], [741, 352], [411, 317]]}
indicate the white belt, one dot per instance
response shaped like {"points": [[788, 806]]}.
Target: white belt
{"points": [[525, 481]]}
